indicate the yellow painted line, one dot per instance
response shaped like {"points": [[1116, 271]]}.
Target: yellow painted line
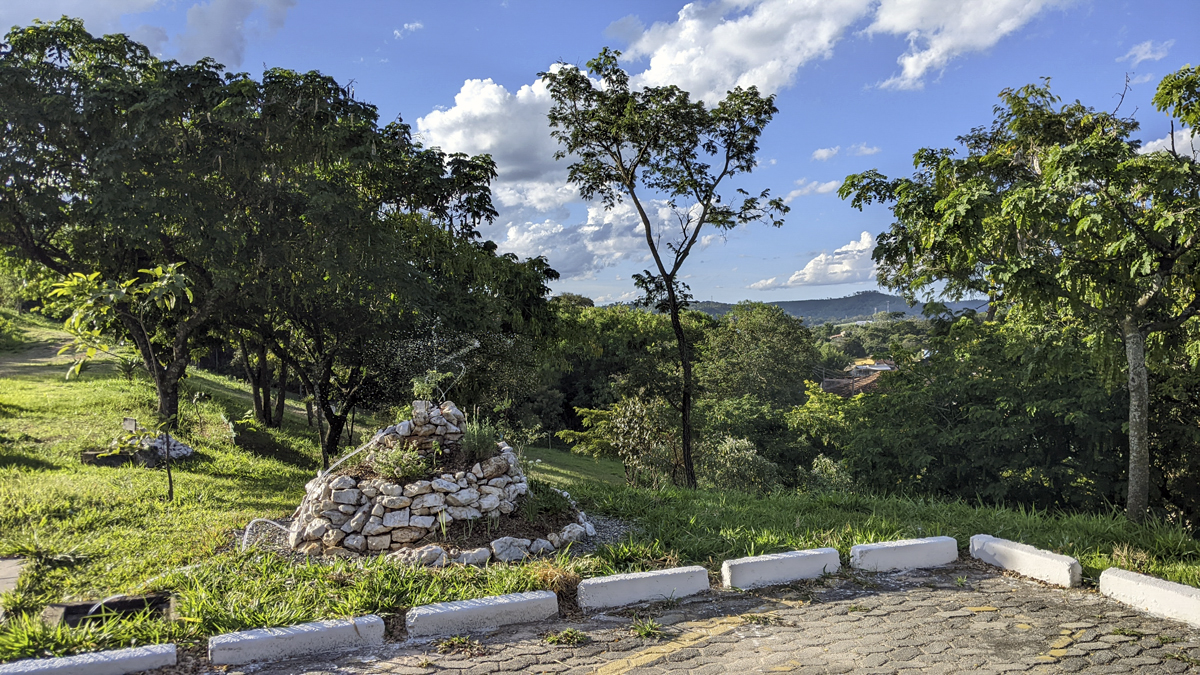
{"points": [[702, 630], [985, 608]]}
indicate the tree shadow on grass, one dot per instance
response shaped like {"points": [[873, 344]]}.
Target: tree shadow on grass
{"points": [[14, 459], [262, 444], [12, 410]]}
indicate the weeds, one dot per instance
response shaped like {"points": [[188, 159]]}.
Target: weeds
{"points": [[1167, 639], [647, 629], [461, 644], [857, 608], [1128, 632], [568, 637], [1184, 657], [764, 620], [961, 582], [401, 463]]}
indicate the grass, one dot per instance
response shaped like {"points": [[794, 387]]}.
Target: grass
{"points": [[563, 469], [646, 628], [569, 637]]}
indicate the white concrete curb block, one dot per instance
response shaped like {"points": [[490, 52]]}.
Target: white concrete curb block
{"points": [[451, 618], [116, 662], [1152, 595], [618, 590], [280, 643], [779, 568], [1051, 568], [905, 554]]}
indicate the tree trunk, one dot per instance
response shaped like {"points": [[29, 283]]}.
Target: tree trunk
{"points": [[319, 404], [254, 373], [308, 404], [280, 396], [167, 388], [1139, 414], [330, 448], [685, 360]]}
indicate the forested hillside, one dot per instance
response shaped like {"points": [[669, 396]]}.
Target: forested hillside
{"points": [[858, 307]]}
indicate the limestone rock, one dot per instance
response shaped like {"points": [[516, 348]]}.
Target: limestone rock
{"points": [[342, 482], [404, 428], [477, 470], [494, 467], [429, 500], [391, 489], [316, 529], [375, 527], [573, 532], [466, 497], [424, 522], [500, 482], [370, 492], [554, 539], [346, 508], [589, 529], [349, 496], [396, 518], [463, 512], [311, 548], [355, 542], [443, 485], [431, 556], [356, 523], [509, 549], [338, 552], [335, 518], [476, 556], [540, 546], [506, 507], [489, 490], [418, 488], [377, 510], [394, 502], [333, 538], [380, 543]]}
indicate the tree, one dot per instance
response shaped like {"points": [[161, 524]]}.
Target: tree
{"points": [[657, 138], [1054, 208], [757, 349]]}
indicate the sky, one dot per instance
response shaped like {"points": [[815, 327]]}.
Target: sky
{"points": [[859, 84]]}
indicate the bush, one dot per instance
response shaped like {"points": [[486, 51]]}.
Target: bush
{"points": [[10, 335], [479, 440], [826, 476], [543, 500], [734, 464], [401, 463]]}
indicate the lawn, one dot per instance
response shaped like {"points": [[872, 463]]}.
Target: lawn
{"points": [[91, 532]]}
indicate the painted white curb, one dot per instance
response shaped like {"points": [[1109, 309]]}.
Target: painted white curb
{"points": [[905, 554], [1152, 595], [779, 568], [1024, 559], [451, 618], [115, 662], [618, 590], [280, 643]]}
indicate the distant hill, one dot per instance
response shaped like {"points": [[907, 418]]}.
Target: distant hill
{"points": [[858, 307]]}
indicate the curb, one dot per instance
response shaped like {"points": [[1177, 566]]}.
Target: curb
{"points": [[618, 590], [1052, 568], [779, 568], [1152, 595], [905, 554], [115, 662], [280, 643], [450, 618]]}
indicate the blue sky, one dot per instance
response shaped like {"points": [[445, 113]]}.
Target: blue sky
{"points": [[860, 84]]}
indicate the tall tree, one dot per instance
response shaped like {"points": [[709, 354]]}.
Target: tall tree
{"points": [[1054, 208], [656, 139]]}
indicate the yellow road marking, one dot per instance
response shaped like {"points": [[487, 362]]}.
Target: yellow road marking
{"points": [[701, 630], [985, 608]]}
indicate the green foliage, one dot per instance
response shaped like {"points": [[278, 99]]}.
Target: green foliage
{"points": [[826, 476], [479, 440], [10, 335], [401, 463], [734, 464], [646, 628], [568, 637], [756, 348], [427, 387], [542, 500]]}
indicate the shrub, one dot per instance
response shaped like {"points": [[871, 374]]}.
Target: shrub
{"points": [[401, 463], [10, 335], [479, 440], [826, 476], [734, 464], [543, 500]]}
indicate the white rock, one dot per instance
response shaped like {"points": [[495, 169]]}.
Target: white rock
{"points": [[375, 527], [418, 488], [316, 529], [370, 492], [489, 490], [377, 510], [463, 512], [396, 518], [466, 497], [356, 523], [506, 507], [443, 485], [489, 502], [407, 535], [540, 546], [437, 420], [335, 518], [348, 509], [554, 539], [346, 496], [424, 522], [500, 481], [391, 489], [333, 538], [342, 483], [380, 543], [509, 549], [494, 466], [476, 556], [354, 542], [428, 500], [589, 529], [573, 532], [477, 470], [430, 555], [404, 428], [394, 502]]}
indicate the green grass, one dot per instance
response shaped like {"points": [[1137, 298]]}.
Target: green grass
{"points": [[562, 469]]}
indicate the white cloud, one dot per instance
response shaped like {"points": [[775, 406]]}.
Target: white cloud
{"points": [[512, 128], [712, 47], [407, 29], [940, 30], [99, 16], [219, 28], [624, 297], [822, 154], [848, 264], [807, 187], [1147, 51], [1187, 142], [861, 149]]}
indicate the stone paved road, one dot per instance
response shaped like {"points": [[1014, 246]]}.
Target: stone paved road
{"points": [[961, 618]]}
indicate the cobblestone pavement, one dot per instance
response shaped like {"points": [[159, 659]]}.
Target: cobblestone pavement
{"points": [[965, 617]]}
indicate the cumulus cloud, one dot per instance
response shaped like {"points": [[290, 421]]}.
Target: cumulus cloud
{"points": [[712, 47], [487, 118], [861, 149], [1186, 142], [1147, 51], [807, 187], [607, 238], [407, 29], [822, 154], [219, 28], [848, 264], [940, 30], [100, 16]]}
